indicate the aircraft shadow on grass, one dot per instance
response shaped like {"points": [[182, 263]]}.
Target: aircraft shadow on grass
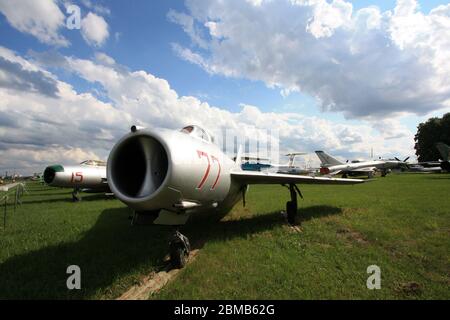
{"points": [[112, 248]]}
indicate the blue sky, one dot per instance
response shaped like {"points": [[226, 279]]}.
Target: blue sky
{"points": [[144, 42], [142, 37]]}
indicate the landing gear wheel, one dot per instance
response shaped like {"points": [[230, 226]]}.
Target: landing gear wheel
{"points": [[291, 211], [178, 257], [179, 250], [75, 196]]}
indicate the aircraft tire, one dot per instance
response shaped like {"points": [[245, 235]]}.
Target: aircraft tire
{"points": [[291, 212], [178, 257], [75, 197]]}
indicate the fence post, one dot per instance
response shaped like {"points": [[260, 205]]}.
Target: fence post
{"points": [[4, 214], [21, 192], [15, 199]]}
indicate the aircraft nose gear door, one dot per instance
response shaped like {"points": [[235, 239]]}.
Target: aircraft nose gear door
{"points": [[291, 206]]}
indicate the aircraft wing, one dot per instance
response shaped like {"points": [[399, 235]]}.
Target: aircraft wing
{"points": [[256, 177]]}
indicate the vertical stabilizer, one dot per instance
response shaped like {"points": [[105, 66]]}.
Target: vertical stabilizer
{"points": [[327, 160], [444, 150]]}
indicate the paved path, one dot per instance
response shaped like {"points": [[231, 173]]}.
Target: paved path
{"points": [[154, 282]]}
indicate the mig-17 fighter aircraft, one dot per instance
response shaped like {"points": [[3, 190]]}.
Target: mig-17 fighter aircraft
{"points": [[88, 176], [171, 175]]}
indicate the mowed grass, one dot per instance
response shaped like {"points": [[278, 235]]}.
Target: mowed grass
{"points": [[400, 223]]}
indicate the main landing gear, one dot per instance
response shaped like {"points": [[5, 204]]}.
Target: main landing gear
{"points": [[179, 250], [291, 206], [76, 195]]}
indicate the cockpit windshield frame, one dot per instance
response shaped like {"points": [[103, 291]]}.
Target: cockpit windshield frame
{"points": [[198, 132], [96, 163]]}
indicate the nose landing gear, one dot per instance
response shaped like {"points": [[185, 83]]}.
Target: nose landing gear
{"points": [[179, 249], [76, 195]]}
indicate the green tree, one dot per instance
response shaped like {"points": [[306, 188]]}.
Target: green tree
{"points": [[428, 134]]}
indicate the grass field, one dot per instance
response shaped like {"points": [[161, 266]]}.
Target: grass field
{"points": [[400, 223]]}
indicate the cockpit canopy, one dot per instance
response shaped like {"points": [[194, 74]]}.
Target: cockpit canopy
{"points": [[198, 132], [96, 163]]}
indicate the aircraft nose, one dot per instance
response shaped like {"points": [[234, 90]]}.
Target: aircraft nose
{"points": [[50, 172]]}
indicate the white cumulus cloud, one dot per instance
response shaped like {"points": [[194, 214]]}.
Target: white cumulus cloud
{"points": [[43, 19], [67, 126], [94, 29], [365, 64]]}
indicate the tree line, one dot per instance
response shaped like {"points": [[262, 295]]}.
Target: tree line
{"points": [[428, 134]]}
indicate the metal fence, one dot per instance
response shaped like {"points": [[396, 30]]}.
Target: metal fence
{"points": [[19, 191]]}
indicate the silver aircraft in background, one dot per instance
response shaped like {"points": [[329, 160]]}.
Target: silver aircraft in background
{"points": [[169, 176], [88, 176], [442, 165], [252, 163], [332, 166], [290, 168]]}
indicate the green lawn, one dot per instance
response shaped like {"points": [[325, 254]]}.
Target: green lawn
{"points": [[400, 223]]}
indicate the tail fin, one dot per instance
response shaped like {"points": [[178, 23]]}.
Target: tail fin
{"points": [[444, 150], [327, 160]]}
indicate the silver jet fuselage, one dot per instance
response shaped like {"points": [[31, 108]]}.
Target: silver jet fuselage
{"points": [[154, 170], [77, 177]]}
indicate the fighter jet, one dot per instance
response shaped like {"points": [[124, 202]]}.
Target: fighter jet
{"points": [[170, 175], [332, 166], [88, 176]]}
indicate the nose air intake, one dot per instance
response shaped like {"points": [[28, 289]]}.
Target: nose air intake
{"points": [[137, 166], [50, 173]]}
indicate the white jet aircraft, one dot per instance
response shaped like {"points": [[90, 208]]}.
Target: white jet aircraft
{"points": [[170, 175], [88, 176], [332, 166]]}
